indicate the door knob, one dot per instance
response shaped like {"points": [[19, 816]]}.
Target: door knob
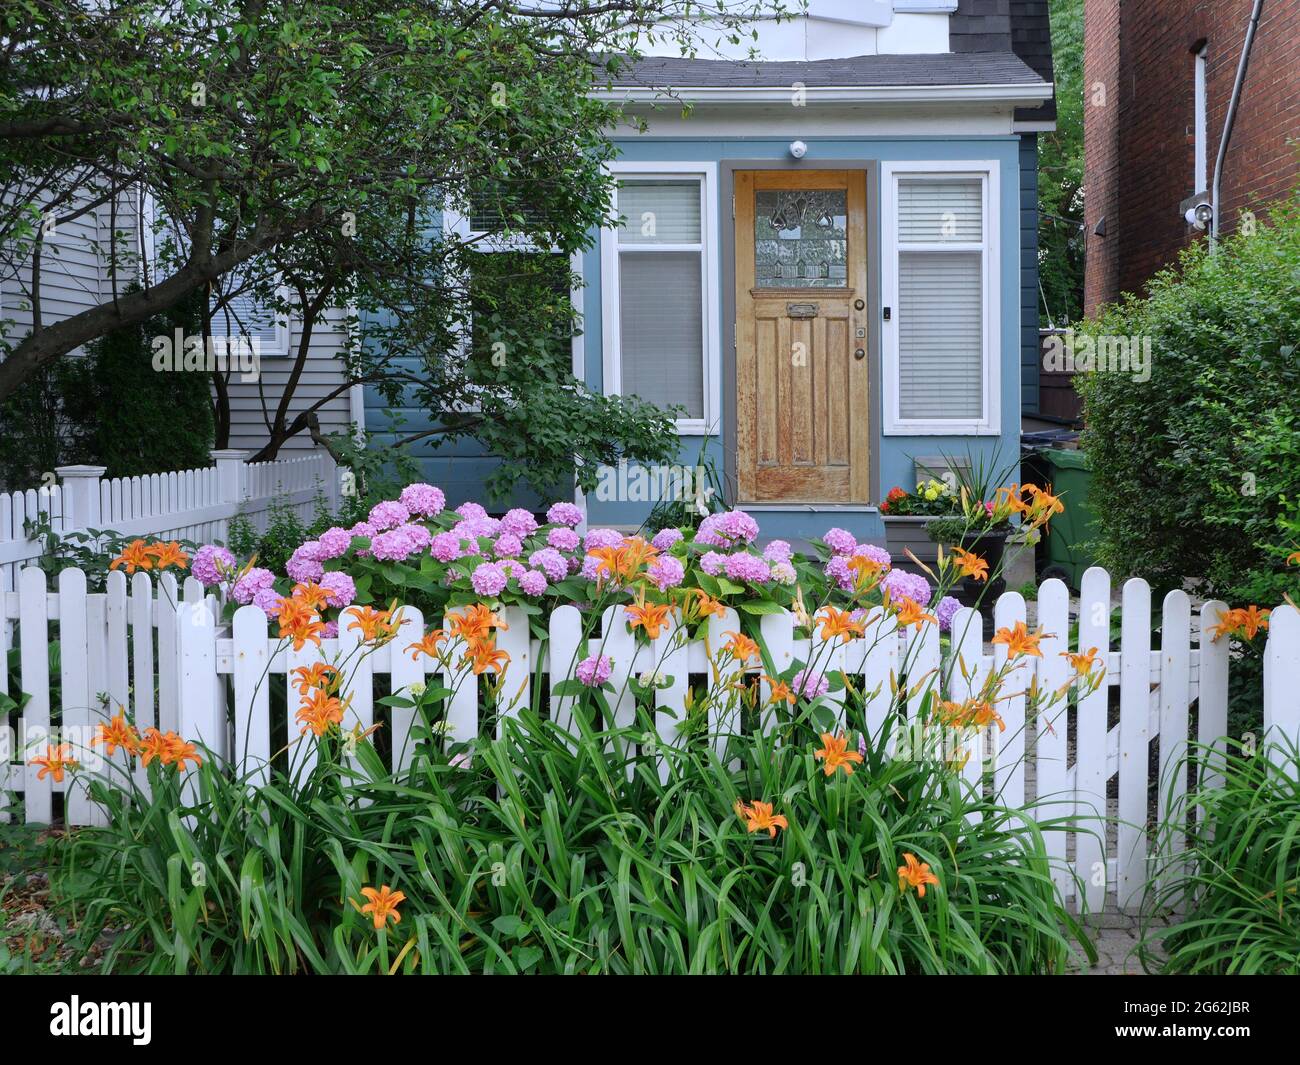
{"points": [[859, 305], [860, 353]]}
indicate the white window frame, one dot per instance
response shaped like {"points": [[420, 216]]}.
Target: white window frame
{"points": [[709, 250], [1200, 171], [989, 173]]}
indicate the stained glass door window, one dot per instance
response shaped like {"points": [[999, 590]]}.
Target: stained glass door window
{"points": [[801, 238]]}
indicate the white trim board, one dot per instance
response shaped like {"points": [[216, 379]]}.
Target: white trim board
{"points": [[990, 173], [710, 265]]}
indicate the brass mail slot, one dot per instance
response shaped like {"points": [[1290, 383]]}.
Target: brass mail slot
{"points": [[801, 310]]}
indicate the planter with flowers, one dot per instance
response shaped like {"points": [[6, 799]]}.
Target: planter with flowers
{"points": [[906, 516]]}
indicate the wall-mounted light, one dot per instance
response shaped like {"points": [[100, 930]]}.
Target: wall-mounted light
{"points": [[798, 149]]}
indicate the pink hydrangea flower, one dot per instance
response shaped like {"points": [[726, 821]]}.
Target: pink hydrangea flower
{"points": [[564, 514], [876, 554], [743, 566], [252, 582], [212, 564], [512, 567], [341, 588], [331, 630], [946, 611], [508, 545], [488, 579], [423, 500], [666, 572], [713, 563], [778, 551], [445, 547], [837, 570], [598, 538], [388, 515], [840, 541], [590, 568], [903, 585], [471, 510], [396, 545], [533, 582], [268, 600], [362, 528], [303, 568], [563, 539], [665, 538], [595, 670], [550, 562], [520, 522], [727, 529], [334, 543], [783, 573], [810, 686]]}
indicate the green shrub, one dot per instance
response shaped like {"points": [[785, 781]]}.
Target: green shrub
{"points": [[1237, 893], [1197, 470], [561, 854]]}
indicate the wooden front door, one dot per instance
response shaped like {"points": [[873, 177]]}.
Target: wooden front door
{"points": [[802, 398]]}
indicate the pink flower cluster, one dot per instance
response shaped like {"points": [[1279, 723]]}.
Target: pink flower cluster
{"points": [[212, 565], [810, 685], [423, 500], [727, 529], [594, 670]]}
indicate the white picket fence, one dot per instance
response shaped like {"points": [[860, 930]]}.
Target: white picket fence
{"points": [[192, 505], [157, 650]]}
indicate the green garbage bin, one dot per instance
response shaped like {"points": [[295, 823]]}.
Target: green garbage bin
{"points": [[1068, 533]]}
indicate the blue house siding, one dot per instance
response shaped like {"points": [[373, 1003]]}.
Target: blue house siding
{"points": [[894, 456], [1029, 359]]}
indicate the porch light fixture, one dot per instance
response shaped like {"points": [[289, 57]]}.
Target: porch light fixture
{"points": [[798, 149]]}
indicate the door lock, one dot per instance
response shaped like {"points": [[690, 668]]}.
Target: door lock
{"points": [[860, 354], [859, 305]]}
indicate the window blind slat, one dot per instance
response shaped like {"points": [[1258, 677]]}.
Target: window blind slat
{"points": [[661, 328], [932, 210], [940, 336], [659, 212]]}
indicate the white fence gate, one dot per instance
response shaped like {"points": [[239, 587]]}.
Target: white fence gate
{"points": [[182, 505], [157, 650]]}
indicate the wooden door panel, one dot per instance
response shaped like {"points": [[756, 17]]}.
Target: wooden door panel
{"points": [[801, 393]]}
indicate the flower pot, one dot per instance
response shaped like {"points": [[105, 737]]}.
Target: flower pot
{"points": [[908, 533]]}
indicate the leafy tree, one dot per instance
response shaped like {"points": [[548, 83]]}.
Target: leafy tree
{"points": [[1060, 175], [311, 145]]}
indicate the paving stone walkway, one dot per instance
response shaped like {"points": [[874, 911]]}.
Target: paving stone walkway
{"points": [[1115, 936]]}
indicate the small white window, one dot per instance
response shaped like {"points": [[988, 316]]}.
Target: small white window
{"points": [[941, 339], [240, 312], [657, 292]]}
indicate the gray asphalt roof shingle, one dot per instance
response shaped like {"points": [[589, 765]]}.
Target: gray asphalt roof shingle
{"points": [[971, 68]]}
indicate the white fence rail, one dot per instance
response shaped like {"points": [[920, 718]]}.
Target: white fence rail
{"points": [[182, 505], [158, 651]]}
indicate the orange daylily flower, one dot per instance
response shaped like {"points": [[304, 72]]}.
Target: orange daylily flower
{"points": [[780, 692], [705, 606], [319, 712], [866, 572], [312, 594], [317, 675], [915, 874], [474, 623], [136, 555], [652, 617], [376, 626], [970, 564], [118, 732], [911, 612], [622, 563], [741, 648], [428, 644], [836, 755], [839, 623], [1243, 622], [1293, 559], [55, 761], [758, 816], [1019, 641], [484, 655], [974, 713], [153, 745], [1083, 662], [1041, 506], [168, 554], [382, 905], [178, 751]]}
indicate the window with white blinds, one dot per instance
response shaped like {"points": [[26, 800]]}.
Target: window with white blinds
{"points": [[655, 299], [940, 349]]}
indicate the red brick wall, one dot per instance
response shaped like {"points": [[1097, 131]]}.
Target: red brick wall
{"points": [[1140, 142]]}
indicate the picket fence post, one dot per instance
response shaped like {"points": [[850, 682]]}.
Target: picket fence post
{"points": [[1282, 683], [81, 498]]}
